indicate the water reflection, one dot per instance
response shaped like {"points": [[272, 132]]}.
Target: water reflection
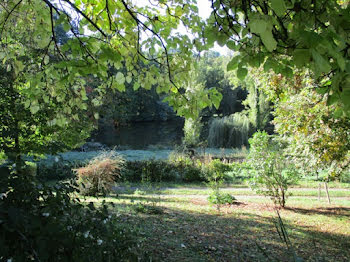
{"points": [[140, 135]]}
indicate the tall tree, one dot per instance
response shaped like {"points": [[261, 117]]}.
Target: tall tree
{"points": [[47, 76]]}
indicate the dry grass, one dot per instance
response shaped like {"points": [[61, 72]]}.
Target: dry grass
{"points": [[99, 174]]}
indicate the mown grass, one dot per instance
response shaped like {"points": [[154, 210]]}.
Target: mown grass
{"points": [[186, 228], [341, 189]]}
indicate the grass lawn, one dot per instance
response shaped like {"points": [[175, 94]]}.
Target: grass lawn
{"points": [[182, 226]]}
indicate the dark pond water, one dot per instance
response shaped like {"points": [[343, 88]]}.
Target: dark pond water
{"points": [[141, 135]]}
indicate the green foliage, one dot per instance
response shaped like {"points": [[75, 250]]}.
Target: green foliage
{"points": [[149, 170], [49, 224], [219, 198], [273, 172], [317, 133], [179, 168], [212, 73], [192, 131], [190, 169], [100, 174], [257, 105], [285, 35], [229, 131], [215, 176], [57, 170]]}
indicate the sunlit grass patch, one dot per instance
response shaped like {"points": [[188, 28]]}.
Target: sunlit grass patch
{"points": [[189, 229]]}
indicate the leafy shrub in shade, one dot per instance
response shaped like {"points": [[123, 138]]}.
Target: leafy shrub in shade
{"points": [[39, 223], [148, 170], [99, 175], [190, 169], [272, 171], [56, 171], [180, 169]]}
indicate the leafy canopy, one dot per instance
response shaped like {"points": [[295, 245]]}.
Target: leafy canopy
{"points": [[283, 35], [116, 42]]}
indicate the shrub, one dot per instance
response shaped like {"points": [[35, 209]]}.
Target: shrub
{"points": [[272, 171], [219, 198], [39, 223], [99, 175], [189, 169], [215, 175], [56, 171], [149, 170], [181, 168]]}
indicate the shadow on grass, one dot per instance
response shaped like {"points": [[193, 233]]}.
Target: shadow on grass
{"points": [[179, 235], [327, 211], [150, 199]]}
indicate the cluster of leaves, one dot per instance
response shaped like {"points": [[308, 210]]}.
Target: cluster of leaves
{"points": [[318, 138], [219, 198], [212, 73], [49, 224], [273, 172], [286, 34], [316, 132]]}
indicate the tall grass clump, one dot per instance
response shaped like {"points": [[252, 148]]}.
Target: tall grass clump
{"points": [[99, 175], [229, 131]]}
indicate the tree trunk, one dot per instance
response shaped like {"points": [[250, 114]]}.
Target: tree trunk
{"points": [[319, 191], [326, 188]]}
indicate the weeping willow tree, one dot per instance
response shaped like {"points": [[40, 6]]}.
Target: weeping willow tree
{"points": [[230, 131], [235, 130], [257, 104]]}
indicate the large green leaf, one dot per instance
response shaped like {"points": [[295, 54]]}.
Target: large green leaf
{"points": [[279, 7], [242, 73], [321, 64]]}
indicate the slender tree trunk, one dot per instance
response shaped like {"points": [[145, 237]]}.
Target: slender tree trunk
{"points": [[319, 191], [326, 188], [258, 127], [14, 153], [283, 198]]}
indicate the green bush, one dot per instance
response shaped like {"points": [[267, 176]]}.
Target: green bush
{"points": [[56, 171], [39, 223], [31, 168], [182, 169], [149, 170], [219, 198], [189, 169], [272, 171]]}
